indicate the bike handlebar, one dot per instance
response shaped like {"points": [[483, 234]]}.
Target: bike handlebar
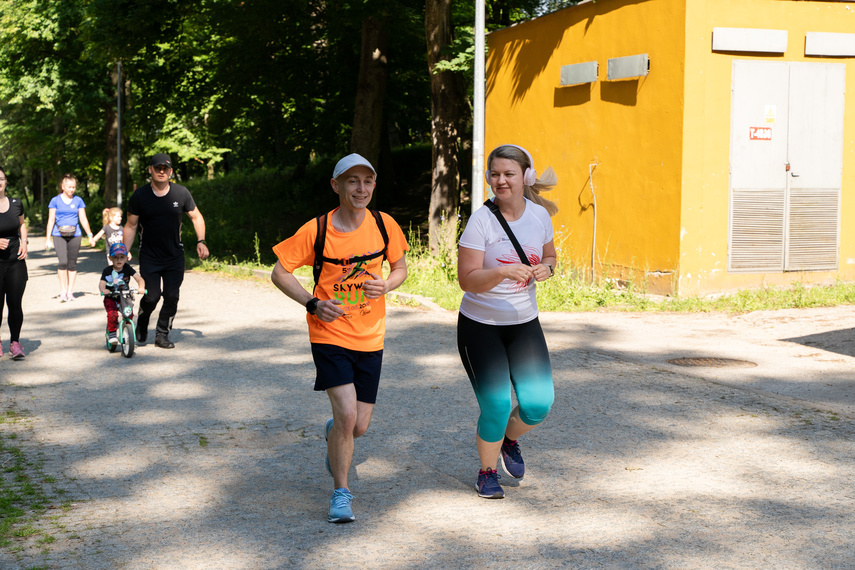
{"points": [[116, 294]]}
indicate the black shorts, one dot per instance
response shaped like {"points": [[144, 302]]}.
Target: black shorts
{"points": [[338, 366]]}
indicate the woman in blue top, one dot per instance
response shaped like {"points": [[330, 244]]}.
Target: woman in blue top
{"points": [[66, 215]]}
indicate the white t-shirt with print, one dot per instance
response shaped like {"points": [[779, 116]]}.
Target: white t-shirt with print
{"points": [[509, 302]]}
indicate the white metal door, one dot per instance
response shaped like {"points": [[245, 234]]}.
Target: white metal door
{"points": [[758, 150], [815, 154], [785, 165]]}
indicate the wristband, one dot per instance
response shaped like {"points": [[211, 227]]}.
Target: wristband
{"points": [[201, 241]]}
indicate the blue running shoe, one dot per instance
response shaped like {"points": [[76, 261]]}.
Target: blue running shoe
{"points": [[340, 511], [488, 485], [327, 429], [512, 460]]}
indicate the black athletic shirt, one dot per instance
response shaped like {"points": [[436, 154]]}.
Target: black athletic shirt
{"points": [[160, 222], [10, 227], [125, 275]]}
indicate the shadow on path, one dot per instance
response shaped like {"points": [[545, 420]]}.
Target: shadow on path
{"points": [[210, 455]]}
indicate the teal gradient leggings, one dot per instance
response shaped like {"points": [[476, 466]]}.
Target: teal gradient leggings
{"points": [[498, 357]]}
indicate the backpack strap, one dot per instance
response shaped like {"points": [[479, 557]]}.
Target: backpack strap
{"points": [[382, 227], [320, 241], [504, 223]]}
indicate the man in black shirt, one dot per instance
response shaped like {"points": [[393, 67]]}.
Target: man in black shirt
{"points": [[158, 209]]}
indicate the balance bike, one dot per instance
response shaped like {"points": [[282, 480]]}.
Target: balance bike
{"points": [[126, 331]]}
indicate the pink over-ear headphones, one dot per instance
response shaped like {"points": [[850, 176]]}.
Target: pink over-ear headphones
{"points": [[530, 174]]}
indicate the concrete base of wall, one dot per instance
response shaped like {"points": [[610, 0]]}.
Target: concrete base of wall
{"points": [[650, 282]]}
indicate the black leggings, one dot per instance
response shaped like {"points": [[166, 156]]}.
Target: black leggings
{"points": [[67, 250], [499, 358], [160, 282], [13, 281]]}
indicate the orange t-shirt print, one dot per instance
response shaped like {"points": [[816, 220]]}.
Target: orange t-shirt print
{"points": [[363, 325], [346, 284]]}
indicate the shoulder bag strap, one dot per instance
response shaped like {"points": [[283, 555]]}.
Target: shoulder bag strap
{"points": [[504, 223]]}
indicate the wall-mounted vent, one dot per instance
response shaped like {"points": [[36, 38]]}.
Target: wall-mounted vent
{"points": [[749, 39], [579, 73], [830, 45], [628, 67]]}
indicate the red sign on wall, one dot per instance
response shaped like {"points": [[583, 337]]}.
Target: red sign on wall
{"points": [[760, 133]]}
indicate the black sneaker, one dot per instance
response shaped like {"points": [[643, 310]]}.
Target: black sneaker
{"points": [[488, 485], [512, 460], [162, 341]]}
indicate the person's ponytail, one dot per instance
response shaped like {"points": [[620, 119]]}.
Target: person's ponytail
{"points": [[544, 183]]}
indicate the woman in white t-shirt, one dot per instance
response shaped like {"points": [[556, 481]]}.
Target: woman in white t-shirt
{"points": [[499, 336]]}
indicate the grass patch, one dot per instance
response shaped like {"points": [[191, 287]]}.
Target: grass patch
{"points": [[564, 292], [25, 492], [435, 277], [431, 276]]}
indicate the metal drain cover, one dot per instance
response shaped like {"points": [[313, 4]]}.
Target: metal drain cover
{"points": [[712, 362]]}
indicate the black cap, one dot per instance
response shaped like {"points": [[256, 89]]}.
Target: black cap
{"points": [[160, 159]]}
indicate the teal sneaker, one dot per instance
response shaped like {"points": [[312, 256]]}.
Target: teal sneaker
{"points": [[340, 511], [327, 429]]}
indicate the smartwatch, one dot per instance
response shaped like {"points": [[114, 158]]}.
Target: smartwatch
{"points": [[312, 305]]}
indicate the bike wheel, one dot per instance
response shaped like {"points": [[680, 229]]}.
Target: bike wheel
{"points": [[127, 339]]}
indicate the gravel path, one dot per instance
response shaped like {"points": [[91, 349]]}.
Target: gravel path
{"points": [[211, 455]]}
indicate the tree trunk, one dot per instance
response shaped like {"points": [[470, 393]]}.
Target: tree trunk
{"points": [[500, 13], [38, 189], [111, 130], [371, 89], [446, 105]]}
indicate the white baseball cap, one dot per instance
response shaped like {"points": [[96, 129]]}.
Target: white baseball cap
{"points": [[349, 162]]}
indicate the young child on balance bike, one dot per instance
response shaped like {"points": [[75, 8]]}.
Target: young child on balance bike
{"points": [[114, 280]]}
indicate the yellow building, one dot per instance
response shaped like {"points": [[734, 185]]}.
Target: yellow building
{"points": [[716, 137]]}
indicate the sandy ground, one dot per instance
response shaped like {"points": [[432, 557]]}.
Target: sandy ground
{"points": [[211, 455]]}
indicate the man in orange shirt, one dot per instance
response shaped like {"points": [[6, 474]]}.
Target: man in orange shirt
{"points": [[347, 318]]}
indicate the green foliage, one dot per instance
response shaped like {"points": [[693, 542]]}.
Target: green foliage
{"points": [[797, 296], [461, 52], [222, 85], [247, 213], [52, 96], [434, 277], [185, 144]]}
